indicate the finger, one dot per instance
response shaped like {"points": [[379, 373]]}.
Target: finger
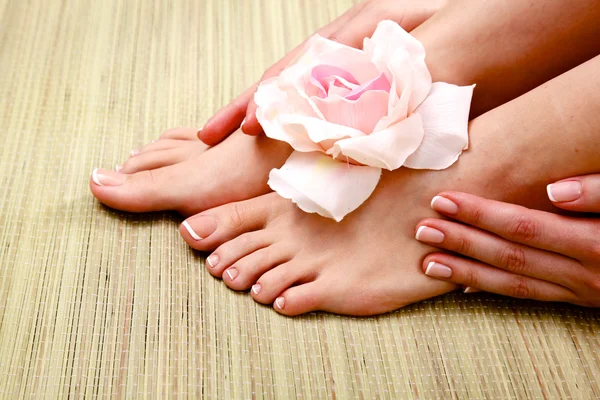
{"points": [[581, 193], [474, 274], [498, 252], [251, 125], [565, 235], [227, 120]]}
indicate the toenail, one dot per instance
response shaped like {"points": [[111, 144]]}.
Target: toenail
{"points": [[429, 235], [103, 177], [243, 122], [134, 152], [280, 302], [200, 227], [232, 273], [444, 205], [256, 288], [118, 168], [212, 260], [437, 270]]}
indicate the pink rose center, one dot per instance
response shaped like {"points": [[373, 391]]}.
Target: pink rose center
{"points": [[329, 79]]}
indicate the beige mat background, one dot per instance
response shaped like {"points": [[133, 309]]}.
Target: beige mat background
{"points": [[99, 303]]}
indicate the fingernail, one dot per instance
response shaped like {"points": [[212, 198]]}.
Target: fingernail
{"points": [[444, 205], [232, 273], [429, 235], [200, 227], [212, 260], [118, 168], [437, 270], [469, 289], [280, 302], [102, 177], [134, 152], [564, 191], [256, 288]]}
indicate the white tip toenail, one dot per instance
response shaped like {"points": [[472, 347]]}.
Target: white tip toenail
{"points": [[191, 231], [243, 122], [280, 302], [134, 152], [95, 177], [256, 288], [419, 231], [118, 168]]}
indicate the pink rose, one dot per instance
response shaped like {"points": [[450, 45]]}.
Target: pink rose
{"points": [[349, 113]]}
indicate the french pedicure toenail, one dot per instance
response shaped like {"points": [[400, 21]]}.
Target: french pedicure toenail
{"points": [[243, 122], [444, 205], [256, 288], [437, 270], [212, 260], [280, 302], [232, 273], [429, 235], [134, 152], [103, 177], [200, 227], [564, 191], [118, 168]]}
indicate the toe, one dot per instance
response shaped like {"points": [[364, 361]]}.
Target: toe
{"points": [[154, 159], [244, 273], [237, 248], [210, 229], [301, 299], [277, 280], [180, 134], [166, 144], [150, 190]]}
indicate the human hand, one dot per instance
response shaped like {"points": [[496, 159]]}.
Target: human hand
{"points": [[349, 29], [516, 251]]}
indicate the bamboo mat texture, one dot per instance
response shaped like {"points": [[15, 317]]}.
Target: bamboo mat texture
{"points": [[98, 303]]}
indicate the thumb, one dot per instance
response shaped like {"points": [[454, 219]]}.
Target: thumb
{"points": [[580, 193]]}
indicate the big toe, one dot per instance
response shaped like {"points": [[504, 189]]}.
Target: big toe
{"points": [[210, 229], [151, 190]]}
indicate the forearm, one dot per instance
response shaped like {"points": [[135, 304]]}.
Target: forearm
{"points": [[508, 47]]}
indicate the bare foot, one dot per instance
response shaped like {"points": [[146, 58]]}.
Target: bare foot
{"points": [[370, 262], [179, 172]]}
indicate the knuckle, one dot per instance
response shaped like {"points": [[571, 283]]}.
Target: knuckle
{"points": [[476, 215], [470, 278], [237, 218], [512, 258], [523, 228], [522, 289], [463, 245]]}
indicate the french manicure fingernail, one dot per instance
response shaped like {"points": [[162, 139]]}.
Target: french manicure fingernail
{"points": [[134, 152], [564, 191], [437, 270], [470, 289], [232, 273], [256, 288], [118, 168], [102, 177], [429, 235], [280, 302], [444, 205], [200, 227]]}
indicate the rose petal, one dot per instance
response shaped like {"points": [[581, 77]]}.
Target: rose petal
{"points": [[320, 73], [378, 83], [362, 114], [318, 184], [445, 114], [316, 129], [387, 149], [273, 103]]}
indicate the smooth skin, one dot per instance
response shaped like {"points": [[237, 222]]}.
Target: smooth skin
{"points": [[370, 263], [518, 252], [506, 47]]}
